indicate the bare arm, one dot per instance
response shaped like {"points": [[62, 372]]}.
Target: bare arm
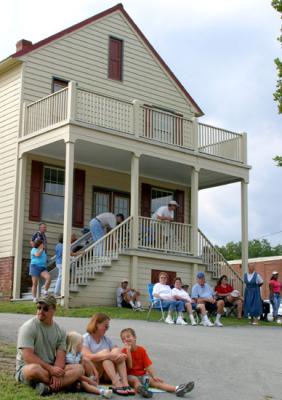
{"points": [[31, 358], [164, 218], [129, 357], [60, 359], [150, 370], [100, 356]]}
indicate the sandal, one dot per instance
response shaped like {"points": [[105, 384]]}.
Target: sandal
{"points": [[120, 391], [130, 391]]}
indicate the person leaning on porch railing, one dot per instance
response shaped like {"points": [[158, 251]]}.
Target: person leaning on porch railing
{"points": [[102, 224]]}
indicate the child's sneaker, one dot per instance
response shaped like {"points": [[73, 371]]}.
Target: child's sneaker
{"points": [[181, 390], [107, 393], [144, 392], [169, 320]]}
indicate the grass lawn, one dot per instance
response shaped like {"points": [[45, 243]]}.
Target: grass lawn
{"points": [[28, 307]]}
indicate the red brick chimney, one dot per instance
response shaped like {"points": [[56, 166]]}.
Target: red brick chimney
{"points": [[23, 44]]}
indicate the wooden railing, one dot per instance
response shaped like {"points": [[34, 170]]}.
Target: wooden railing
{"points": [[164, 236], [131, 118], [104, 111], [216, 263], [220, 142], [46, 112], [100, 253], [166, 127]]}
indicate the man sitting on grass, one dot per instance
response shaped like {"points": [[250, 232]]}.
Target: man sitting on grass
{"points": [[41, 352]]}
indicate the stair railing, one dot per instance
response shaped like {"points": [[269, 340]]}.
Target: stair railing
{"points": [[216, 263], [100, 253]]}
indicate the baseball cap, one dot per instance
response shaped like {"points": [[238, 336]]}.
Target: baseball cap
{"points": [[173, 203], [48, 300], [124, 280], [275, 273], [200, 275]]}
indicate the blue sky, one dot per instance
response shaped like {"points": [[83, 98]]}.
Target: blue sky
{"points": [[222, 51]]}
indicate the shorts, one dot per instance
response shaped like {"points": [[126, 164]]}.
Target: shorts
{"points": [[210, 307], [35, 270], [143, 379], [19, 376], [125, 304]]}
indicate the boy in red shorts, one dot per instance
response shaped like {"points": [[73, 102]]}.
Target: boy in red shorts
{"points": [[140, 371]]}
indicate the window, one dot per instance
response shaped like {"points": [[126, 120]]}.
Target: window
{"points": [[115, 59], [159, 198], [58, 84], [52, 199], [155, 276], [105, 200]]}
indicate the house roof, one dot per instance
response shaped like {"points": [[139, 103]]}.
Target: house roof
{"points": [[118, 7]]}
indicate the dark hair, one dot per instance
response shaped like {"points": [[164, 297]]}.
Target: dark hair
{"points": [[97, 318], [60, 238], [177, 279], [41, 223], [121, 216], [221, 279], [130, 330], [37, 243]]}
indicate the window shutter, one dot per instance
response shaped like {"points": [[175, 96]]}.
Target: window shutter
{"points": [[179, 197], [146, 200], [35, 190], [115, 59], [78, 198]]}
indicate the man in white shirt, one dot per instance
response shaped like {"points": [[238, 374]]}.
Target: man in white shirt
{"points": [[162, 230], [166, 213]]}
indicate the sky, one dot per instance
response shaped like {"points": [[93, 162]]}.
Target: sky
{"points": [[222, 52]]}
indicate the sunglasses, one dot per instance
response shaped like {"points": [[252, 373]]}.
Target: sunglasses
{"points": [[44, 308]]}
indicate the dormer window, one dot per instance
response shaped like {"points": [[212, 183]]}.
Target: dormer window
{"points": [[115, 59]]}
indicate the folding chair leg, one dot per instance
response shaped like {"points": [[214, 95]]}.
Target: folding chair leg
{"points": [[149, 312]]}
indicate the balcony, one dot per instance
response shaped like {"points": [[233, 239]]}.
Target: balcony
{"points": [[132, 119]]}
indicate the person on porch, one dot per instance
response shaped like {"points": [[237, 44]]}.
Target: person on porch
{"points": [[102, 224], [202, 293], [166, 213], [161, 232]]}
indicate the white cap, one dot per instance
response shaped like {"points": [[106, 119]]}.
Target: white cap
{"points": [[173, 203], [275, 273]]}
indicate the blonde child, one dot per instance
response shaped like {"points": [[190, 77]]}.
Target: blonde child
{"points": [[88, 382], [140, 370]]}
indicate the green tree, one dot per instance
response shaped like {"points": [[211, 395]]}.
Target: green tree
{"points": [[277, 4], [257, 248]]}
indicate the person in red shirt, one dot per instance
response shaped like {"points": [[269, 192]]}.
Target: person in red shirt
{"points": [[140, 370], [274, 294], [226, 292]]}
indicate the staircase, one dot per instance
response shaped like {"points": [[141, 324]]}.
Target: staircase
{"points": [[216, 263]]}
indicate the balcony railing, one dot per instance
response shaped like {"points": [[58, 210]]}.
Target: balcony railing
{"points": [[131, 118]]}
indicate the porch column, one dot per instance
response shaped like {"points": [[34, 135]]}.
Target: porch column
{"points": [[20, 205], [194, 210], [69, 165], [244, 225], [134, 198]]}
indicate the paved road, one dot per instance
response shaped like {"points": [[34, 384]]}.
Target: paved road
{"points": [[229, 363]]}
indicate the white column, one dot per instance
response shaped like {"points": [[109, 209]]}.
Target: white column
{"points": [[134, 198], [244, 225], [69, 165], [194, 210], [19, 210], [71, 101]]}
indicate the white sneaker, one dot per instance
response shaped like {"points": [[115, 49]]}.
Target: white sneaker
{"points": [[180, 321], [34, 300], [45, 292], [107, 393], [169, 320], [218, 324], [193, 322], [208, 323]]}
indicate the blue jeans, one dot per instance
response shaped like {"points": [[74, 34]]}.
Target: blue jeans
{"points": [[275, 301], [174, 305], [59, 280], [97, 232]]}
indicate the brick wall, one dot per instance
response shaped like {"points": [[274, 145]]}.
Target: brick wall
{"points": [[6, 277]]}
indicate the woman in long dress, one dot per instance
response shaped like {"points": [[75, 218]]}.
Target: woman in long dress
{"points": [[252, 297]]}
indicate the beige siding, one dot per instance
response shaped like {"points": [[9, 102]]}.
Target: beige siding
{"points": [[94, 177], [10, 91], [82, 56]]}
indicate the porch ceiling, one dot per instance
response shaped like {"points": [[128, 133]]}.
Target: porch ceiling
{"points": [[120, 160]]}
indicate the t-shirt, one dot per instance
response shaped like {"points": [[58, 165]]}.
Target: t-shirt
{"points": [[163, 212], [40, 260], [276, 285], [120, 292], [181, 293], [223, 290], [104, 344], [59, 253], [41, 236], [107, 220], [164, 291], [44, 339], [140, 361], [199, 291], [73, 358]]}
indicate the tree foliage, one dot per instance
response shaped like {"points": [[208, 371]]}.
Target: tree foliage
{"points": [[257, 248], [277, 4]]}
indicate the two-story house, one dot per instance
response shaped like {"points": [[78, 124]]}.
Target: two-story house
{"points": [[93, 120]]}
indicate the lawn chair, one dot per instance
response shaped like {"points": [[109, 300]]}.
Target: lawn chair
{"points": [[155, 304]]}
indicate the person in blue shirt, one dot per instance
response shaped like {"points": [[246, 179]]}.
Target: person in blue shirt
{"points": [[38, 268], [59, 261], [202, 293]]}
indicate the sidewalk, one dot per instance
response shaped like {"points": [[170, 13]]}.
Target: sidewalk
{"points": [[229, 363]]}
